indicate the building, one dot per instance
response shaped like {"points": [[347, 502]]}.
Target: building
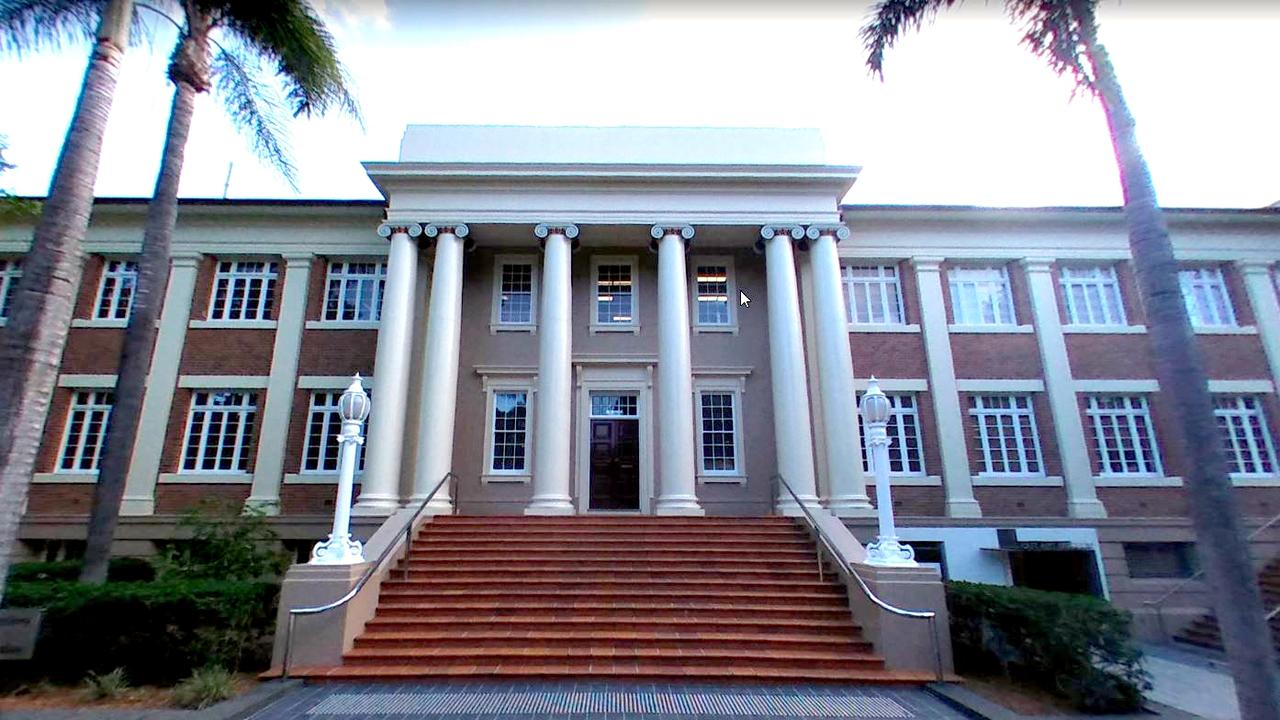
{"points": [[656, 321]]}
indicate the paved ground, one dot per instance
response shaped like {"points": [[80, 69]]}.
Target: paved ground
{"points": [[1191, 682], [600, 700]]}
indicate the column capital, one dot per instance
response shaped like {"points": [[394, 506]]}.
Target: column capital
{"points": [[839, 232], [298, 258], [927, 263], [660, 231], [182, 259], [387, 229], [1255, 266], [457, 229], [544, 230], [768, 232], [1038, 264]]}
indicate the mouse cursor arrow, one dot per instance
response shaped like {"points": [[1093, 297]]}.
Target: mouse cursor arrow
{"points": [[743, 300]]}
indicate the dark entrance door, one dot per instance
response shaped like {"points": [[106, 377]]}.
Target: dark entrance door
{"points": [[615, 465]]}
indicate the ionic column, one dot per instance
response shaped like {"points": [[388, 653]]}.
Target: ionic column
{"points": [[677, 493], [956, 479], [552, 415], [438, 400], [1259, 283], [792, 433], [1059, 386], [380, 484], [845, 482]]}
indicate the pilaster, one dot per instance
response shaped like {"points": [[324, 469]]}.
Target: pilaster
{"points": [[1260, 284]]}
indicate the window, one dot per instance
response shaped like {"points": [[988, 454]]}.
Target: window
{"points": [[10, 271], [1123, 435], [1246, 440], [615, 304], [981, 296], [510, 425], [86, 428], [243, 291], [718, 417], [219, 431], [516, 287], [1204, 290], [1007, 434], [614, 405], [873, 295], [354, 291], [324, 427], [1164, 560], [713, 293], [905, 455], [1092, 295]]}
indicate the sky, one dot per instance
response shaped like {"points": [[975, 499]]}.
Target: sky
{"points": [[964, 116]]}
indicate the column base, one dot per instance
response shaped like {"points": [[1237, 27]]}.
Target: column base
{"points": [[964, 508], [678, 505], [437, 506], [1086, 509], [791, 508], [851, 506], [135, 506], [551, 505], [269, 506], [376, 505]]}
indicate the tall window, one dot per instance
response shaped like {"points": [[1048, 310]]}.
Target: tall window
{"points": [[86, 427], [718, 416], [354, 291], [510, 424], [10, 271], [873, 295], [713, 301], [1123, 435], [515, 293], [981, 296], [324, 427], [1007, 434], [1205, 292], [1246, 440], [615, 299], [1093, 296], [243, 291], [905, 454], [219, 431]]}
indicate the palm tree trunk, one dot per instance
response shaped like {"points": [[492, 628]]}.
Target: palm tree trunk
{"points": [[139, 338], [1215, 513], [31, 345]]}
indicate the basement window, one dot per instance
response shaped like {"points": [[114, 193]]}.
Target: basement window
{"points": [[1160, 560]]}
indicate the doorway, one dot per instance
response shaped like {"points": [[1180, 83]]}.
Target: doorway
{"points": [[614, 473]]}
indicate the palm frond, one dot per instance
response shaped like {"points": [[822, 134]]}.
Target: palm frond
{"points": [[290, 35], [889, 20], [253, 107], [30, 25], [1051, 30]]}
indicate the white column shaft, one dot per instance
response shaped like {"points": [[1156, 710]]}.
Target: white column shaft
{"points": [[1059, 385], [350, 442], [380, 485], [956, 479], [1260, 284], [438, 402], [676, 461], [552, 416]]}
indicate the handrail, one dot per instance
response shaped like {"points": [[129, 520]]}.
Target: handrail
{"points": [[929, 615], [373, 568], [1199, 573]]}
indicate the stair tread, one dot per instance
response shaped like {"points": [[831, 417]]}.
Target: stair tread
{"points": [[747, 654], [606, 668]]}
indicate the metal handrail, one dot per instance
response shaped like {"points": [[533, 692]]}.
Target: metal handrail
{"points": [[929, 615], [364, 578], [1200, 573]]}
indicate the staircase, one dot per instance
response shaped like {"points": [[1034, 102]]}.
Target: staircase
{"points": [[1204, 631], [613, 597]]}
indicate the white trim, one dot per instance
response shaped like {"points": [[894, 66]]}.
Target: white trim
{"points": [[491, 387], [492, 478], [1128, 423], [736, 388], [1225, 329], [1104, 329], [915, 480], [1116, 386], [80, 477], [96, 323], [894, 384], [496, 325], [329, 382], [378, 278], [1244, 480], [632, 327], [242, 439], [236, 275], [981, 480], [991, 329], [232, 324], [1103, 279], [622, 376], [337, 324], [911, 328], [85, 382], [731, 293], [113, 305], [892, 280], [955, 284], [225, 382], [317, 478], [1136, 481], [206, 478], [1000, 385], [97, 448], [1232, 387]]}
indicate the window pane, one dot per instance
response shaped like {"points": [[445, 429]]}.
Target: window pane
{"points": [[712, 294], [614, 295]]}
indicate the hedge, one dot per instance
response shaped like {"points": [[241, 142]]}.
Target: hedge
{"points": [[119, 570], [1075, 646], [158, 631]]}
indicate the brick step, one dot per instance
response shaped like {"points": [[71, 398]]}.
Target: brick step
{"points": [[518, 597], [616, 531], [639, 611], [529, 565], [583, 640], [461, 625], [691, 554], [604, 669], [561, 583], [525, 520], [571, 574], [681, 657], [516, 545]]}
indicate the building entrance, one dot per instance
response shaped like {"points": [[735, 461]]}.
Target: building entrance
{"points": [[614, 482]]}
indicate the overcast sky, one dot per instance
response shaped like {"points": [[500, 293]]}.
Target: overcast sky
{"points": [[965, 115]]}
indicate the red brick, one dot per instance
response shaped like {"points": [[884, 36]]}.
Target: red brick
{"points": [[92, 351], [174, 498], [998, 502], [338, 352], [59, 499]]}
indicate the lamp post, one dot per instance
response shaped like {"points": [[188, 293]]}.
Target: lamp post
{"points": [[340, 548], [886, 550]]}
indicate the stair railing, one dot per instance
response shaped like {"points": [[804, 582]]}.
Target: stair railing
{"points": [[1158, 603], [825, 541], [405, 541]]}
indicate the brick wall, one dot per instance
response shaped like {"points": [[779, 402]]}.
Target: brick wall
{"points": [[59, 499], [173, 498], [337, 352], [997, 502]]}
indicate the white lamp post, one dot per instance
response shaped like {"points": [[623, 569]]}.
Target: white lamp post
{"points": [[886, 550], [340, 548]]}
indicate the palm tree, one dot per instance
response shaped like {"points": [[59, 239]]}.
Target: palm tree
{"points": [[284, 33], [1065, 34], [31, 344]]}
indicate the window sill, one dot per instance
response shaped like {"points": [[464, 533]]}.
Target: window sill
{"points": [[206, 478], [715, 329], [1242, 480], [626, 329], [495, 328], [706, 479], [1017, 481], [98, 323], [232, 324], [316, 478], [65, 478], [340, 324], [1136, 481], [1104, 329], [523, 479], [912, 328], [907, 480], [991, 329], [1225, 329]]}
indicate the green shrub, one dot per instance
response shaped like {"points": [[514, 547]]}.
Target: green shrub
{"points": [[228, 542], [122, 569], [205, 687], [1075, 646], [159, 632], [106, 687]]}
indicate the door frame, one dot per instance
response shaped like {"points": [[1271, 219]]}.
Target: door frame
{"points": [[630, 377]]}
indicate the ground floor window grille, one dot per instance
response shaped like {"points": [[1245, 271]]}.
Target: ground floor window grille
{"points": [[219, 431]]}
